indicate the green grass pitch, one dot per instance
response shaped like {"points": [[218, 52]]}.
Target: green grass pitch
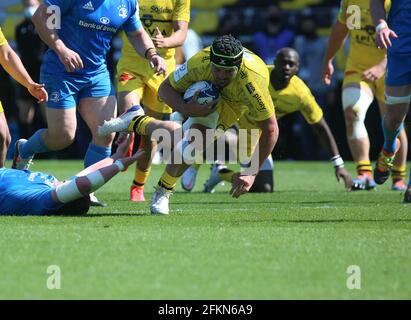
{"points": [[296, 243]]}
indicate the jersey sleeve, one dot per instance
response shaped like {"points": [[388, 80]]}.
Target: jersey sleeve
{"points": [[310, 109], [187, 73], [182, 11], [133, 23], [64, 5], [3, 39], [342, 13], [258, 99]]}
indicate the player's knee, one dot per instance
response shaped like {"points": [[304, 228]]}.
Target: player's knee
{"points": [[354, 120]]}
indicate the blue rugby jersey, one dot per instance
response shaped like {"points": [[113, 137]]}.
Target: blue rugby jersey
{"points": [[87, 27], [399, 20], [23, 192]]}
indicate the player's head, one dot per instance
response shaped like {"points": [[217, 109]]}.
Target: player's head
{"points": [[226, 56], [287, 64], [75, 207]]}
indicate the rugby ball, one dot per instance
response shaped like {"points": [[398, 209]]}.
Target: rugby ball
{"points": [[208, 92]]}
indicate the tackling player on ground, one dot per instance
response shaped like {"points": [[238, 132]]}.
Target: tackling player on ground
{"points": [[363, 80], [166, 21]]}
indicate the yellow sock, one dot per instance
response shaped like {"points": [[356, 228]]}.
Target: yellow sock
{"points": [[364, 166], [140, 176], [226, 174], [167, 181], [139, 125], [398, 172]]}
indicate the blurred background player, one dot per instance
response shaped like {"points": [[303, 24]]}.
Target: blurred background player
{"points": [[363, 80], [166, 21], [75, 73], [243, 80], [13, 65], [394, 34], [289, 94], [31, 50], [23, 192]]}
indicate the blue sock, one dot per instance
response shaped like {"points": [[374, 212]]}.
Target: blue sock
{"points": [[34, 145], [95, 153], [409, 180], [390, 138]]}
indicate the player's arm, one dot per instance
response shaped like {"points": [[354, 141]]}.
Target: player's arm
{"points": [[173, 41], [14, 67], [174, 99], [144, 46], [242, 182], [384, 33], [69, 58], [324, 134], [337, 37], [96, 175]]}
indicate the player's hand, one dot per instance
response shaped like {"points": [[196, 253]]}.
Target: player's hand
{"points": [[37, 91], [342, 174], [194, 109], [327, 74], [374, 73], [383, 38], [158, 64], [158, 39], [123, 144], [70, 59], [241, 184]]}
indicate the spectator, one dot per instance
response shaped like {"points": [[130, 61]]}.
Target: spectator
{"points": [[273, 37]]}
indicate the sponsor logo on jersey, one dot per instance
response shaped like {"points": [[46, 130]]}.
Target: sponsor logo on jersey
{"points": [[180, 72], [125, 77], [88, 6], [157, 9], [250, 87], [123, 12], [260, 102], [104, 20]]}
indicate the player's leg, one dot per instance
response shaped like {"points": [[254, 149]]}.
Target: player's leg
{"points": [[397, 99], [189, 149], [399, 168], [4, 137], [156, 110], [357, 96], [61, 121]]}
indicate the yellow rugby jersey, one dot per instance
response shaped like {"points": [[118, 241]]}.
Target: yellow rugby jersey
{"points": [[295, 97], [363, 52], [161, 14], [3, 39], [247, 92]]}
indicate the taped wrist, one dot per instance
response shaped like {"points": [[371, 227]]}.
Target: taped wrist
{"points": [[96, 180]]}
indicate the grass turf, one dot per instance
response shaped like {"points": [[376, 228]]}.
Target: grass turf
{"points": [[296, 243]]}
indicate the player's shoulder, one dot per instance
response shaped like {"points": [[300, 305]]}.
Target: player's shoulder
{"points": [[200, 60], [253, 66], [298, 86]]}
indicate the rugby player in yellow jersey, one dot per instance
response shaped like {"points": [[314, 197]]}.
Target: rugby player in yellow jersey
{"points": [[289, 94], [243, 80], [166, 21], [363, 80], [13, 65]]}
